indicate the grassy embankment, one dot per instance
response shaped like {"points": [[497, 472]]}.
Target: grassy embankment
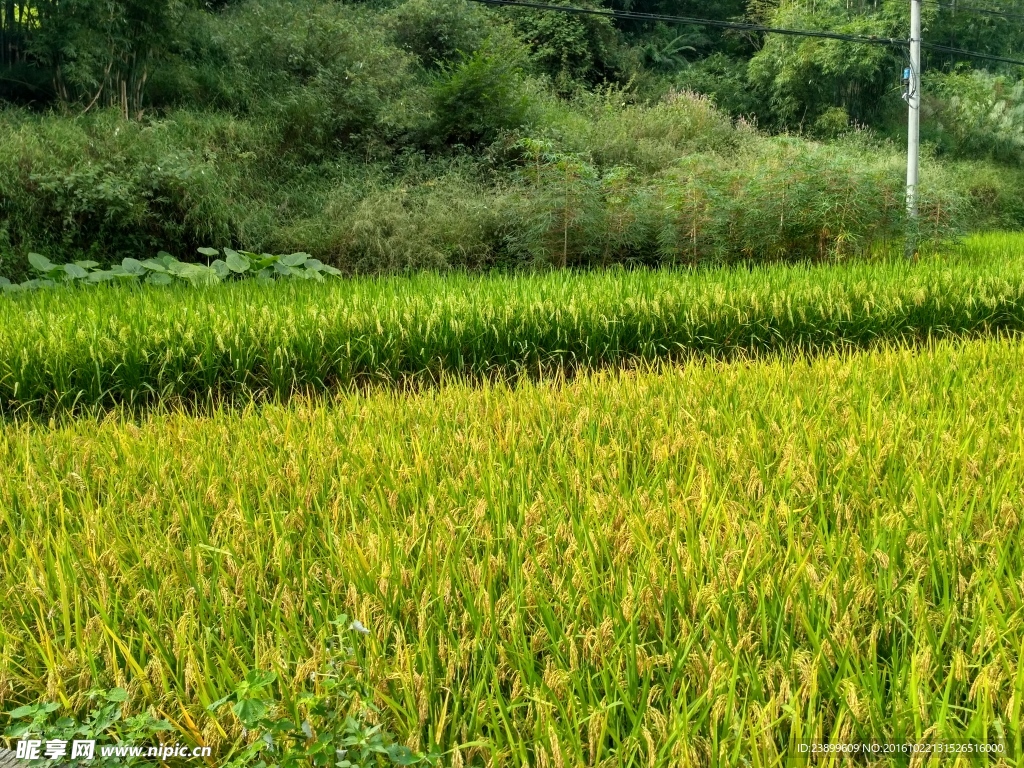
{"points": [[651, 566], [110, 346]]}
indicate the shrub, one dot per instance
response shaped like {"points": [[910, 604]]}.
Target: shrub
{"points": [[613, 132], [434, 217], [571, 49], [326, 75], [562, 210], [724, 80], [437, 31], [104, 188], [995, 194], [833, 123], [976, 114], [481, 96]]}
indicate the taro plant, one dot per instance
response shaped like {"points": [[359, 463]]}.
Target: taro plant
{"points": [[164, 269], [268, 267]]}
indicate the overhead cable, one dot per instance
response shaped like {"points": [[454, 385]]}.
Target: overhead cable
{"points": [[742, 26], [737, 25]]}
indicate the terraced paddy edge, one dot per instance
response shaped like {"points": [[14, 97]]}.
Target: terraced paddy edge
{"points": [[101, 347], [668, 567]]}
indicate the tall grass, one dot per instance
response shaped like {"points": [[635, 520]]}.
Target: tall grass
{"points": [[104, 347], [592, 182], [679, 567]]}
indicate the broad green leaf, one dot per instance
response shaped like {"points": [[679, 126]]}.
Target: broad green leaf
{"points": [[250, 711], [237, 263], [88, 264], [153, 265], [159, 278], [197, 274], [27, 711], [332, 270], [40, 262], [260, 678], [133, 267], [221, 268], [294, 259], [211, 251], [101, 276], [117, 694], [4, 282], [75, 272], [165, 258], [402, 755]]}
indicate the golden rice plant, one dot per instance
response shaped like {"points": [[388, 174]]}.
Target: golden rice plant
{"points": [[663, 567]]}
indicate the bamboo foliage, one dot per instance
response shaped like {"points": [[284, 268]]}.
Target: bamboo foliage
{"points": [[99, 53], [16, 19]]}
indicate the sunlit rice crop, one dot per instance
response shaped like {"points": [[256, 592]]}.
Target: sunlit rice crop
{"points": [[665, 567], [104, 347]]}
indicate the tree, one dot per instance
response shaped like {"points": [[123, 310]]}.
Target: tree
{"points": [[803, 79], [93, 52]]}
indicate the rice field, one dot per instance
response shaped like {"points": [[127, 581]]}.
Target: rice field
{"points": [[699, 565], [102, 347]]}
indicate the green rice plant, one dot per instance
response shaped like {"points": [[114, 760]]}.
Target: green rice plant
{"points": [[670, 567], [141, 346]]}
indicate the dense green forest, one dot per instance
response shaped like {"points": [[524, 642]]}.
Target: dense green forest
{"points": [[386, 136]]}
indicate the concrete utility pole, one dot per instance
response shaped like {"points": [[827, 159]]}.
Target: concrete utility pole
{"points": [[914, 126]]}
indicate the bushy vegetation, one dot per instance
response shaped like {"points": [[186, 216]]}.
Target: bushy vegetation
{"points": [[151, 345], [598, 183], [325, 723], [678, 567], [389, 136], [978, 114]]}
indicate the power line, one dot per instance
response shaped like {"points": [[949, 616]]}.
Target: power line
{"points": [[972, 54], [890, 42], [737, 25]]}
